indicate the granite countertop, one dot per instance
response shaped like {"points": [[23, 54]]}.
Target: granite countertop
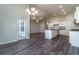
{"points": [[74, 29]]}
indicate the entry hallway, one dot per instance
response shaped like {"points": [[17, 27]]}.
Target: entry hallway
{"points": [[37, 45]]}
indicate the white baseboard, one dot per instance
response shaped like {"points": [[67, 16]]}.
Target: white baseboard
{"points": [[1, 43]]}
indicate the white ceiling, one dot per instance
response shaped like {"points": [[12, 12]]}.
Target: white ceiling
{"points": [[51, 9]]}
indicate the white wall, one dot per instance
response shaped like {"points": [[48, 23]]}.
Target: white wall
{"points": [[9, 22], [42, 26], [35, 27]]}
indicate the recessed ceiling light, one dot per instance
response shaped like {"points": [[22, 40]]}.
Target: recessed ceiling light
{"points": [[54, 14], [60, 6], [62, 10], [64, 13], [47, 23], [32, 9]]}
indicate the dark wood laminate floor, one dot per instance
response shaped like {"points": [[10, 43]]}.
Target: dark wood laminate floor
{"points": [[37, 45]]}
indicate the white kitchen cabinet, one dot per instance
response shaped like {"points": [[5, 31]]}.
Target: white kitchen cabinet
{"points": [[77, 12], [76, 15]]}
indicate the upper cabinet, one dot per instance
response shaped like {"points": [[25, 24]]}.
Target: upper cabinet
{"points": [[76, 15]]}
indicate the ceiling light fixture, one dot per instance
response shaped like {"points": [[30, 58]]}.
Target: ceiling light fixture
{"points": [[60, 6], [33, 13], [32, 9], [36, 12]]}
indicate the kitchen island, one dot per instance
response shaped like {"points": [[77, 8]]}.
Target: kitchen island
{"points": [[49, 34], [74, 37]]}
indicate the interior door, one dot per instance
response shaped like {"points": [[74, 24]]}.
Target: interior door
{"points": [[21, 29]]}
